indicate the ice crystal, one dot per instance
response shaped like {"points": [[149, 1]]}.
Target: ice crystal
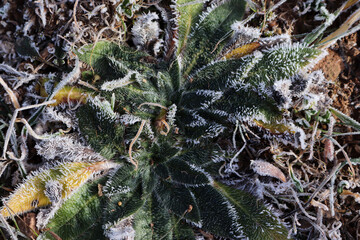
{"points": [[244, 34], [146, 30], [122, 230], [104, 107], [129, 78], [67, 148], [67, 117]]}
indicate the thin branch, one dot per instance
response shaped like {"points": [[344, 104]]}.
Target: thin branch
{"points": [[167, 128], [345, 155], [33, 133], [312, 142], [327, 179], [300, 205], [74, 14], [12, 95], [24, 153], [237, 154], [234, 134], [134, 162], [13, 120]]}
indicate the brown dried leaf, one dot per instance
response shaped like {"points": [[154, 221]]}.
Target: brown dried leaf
{"points": [[329, 151], [267, 169]]}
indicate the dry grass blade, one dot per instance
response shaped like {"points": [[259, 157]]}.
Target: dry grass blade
{"points": [[350, 3], [345, 155], [341, 31], [12, 95], [8, 228]]}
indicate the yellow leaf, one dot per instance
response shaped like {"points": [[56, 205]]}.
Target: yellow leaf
{"points": [[243, 50], [67, 93], [31, 194], [275, 128], [72, 94]]}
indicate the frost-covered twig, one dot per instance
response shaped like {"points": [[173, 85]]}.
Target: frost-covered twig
{"points": [[278, 4], [32, 132], [312, 142], [234, 134], [345, 155], [238, 153], [326, 180], [300, 205], [23, 155], [316, 226]]}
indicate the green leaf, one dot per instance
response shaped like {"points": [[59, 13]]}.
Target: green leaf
{"points": [[152, 222], [181, 230], [214, 24], [196, 128], [25, 47], [346, 119], [295, 180], [178, 199], [122, 181], [248, 105], [209, 158], [162, 150], [242, 86], [257, 222], [142, 223], [183, 173], [281, 62], [124, 204], [78, 216], [217, 75], [149, 177], [110, 60], [102, 133], [217, 214], [189, 14]]}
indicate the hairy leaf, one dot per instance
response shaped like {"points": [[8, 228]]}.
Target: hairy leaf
{"points": [[349, 121], [178, 199], [211, 29], [152, 221], [110, 60], [217, 214], [79, 216], [34, 193], [183, 173], [122, 205], [257, 222]]}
